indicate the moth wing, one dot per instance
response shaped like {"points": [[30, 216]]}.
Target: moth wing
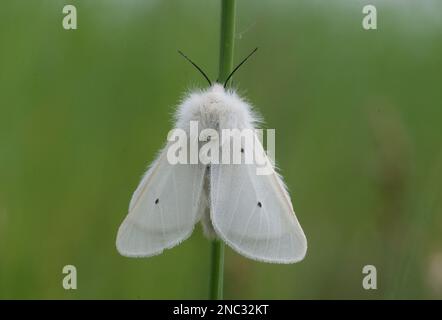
{"points": [[163, 210], [253, 214]]}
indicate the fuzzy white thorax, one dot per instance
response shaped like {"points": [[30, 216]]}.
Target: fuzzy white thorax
{"points": [[215, 108]]}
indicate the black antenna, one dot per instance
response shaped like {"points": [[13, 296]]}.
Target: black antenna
{"points": [[237, 67], [194, 64]]}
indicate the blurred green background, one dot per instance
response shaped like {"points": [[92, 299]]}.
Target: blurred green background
{"points": [[358, 130]]}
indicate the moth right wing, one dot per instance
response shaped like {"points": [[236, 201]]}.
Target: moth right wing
{"points": [[163, 210], [253, 213]]}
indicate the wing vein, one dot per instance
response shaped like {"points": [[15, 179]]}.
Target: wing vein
{"points": [[236, 205], [176, 200]]}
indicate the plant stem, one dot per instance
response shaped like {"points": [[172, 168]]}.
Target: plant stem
{"points": [[217, 272], [225, 67], [227, 39]]}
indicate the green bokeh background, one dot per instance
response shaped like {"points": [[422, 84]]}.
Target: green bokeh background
{"points": [[358, 139]]}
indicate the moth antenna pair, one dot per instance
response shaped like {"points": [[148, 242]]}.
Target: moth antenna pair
{"points": [[228, 77]]}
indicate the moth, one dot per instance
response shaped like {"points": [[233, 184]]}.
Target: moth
{"points": [[251, 213]]}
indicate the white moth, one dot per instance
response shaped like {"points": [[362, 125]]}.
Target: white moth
{"points": [[251, 213]]}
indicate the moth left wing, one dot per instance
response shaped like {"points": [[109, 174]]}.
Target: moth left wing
{"points": [[163, 209]]}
